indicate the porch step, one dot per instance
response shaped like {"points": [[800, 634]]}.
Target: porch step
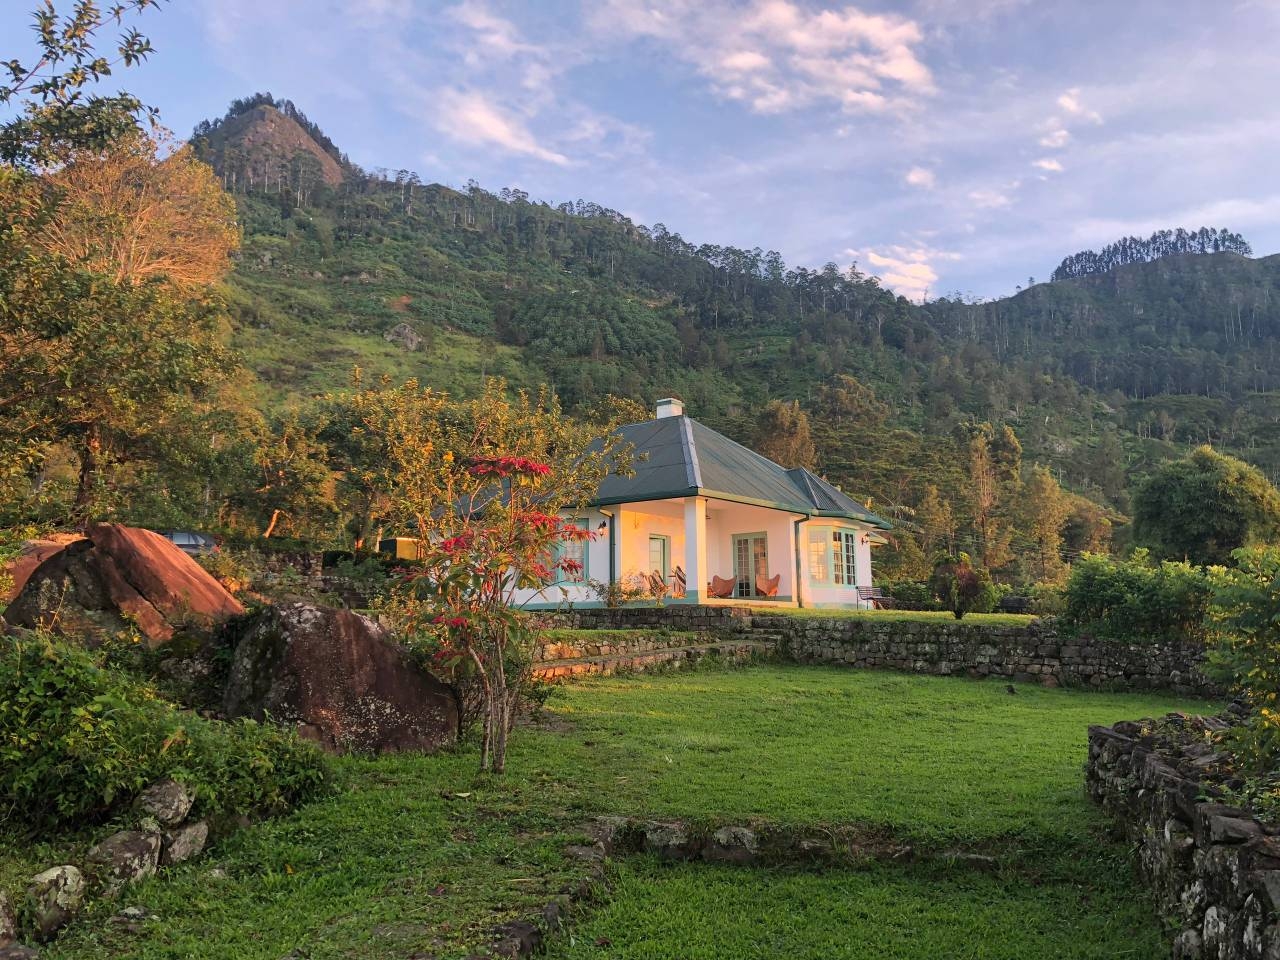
{"points": [[735, 651]]}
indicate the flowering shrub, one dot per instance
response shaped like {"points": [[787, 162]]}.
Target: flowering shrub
{"points": [[483, 484]]}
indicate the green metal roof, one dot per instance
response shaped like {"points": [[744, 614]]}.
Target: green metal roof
{"points": [[680, 457]]}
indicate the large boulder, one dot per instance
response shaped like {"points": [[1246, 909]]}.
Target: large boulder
{"points": [[32, 554], [341, 678], [184, 843], [124, 857], [118, 576], [167, 802]]}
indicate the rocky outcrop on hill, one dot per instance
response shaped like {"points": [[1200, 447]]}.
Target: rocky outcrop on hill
{"points": [[116, 576], [405, 335], [341, 678], [254, 147]]}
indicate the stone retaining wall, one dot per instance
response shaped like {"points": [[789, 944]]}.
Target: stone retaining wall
{"points": [[574, 644], [1031, 653], [686, 616], [1215, 869], [1027, 653]]}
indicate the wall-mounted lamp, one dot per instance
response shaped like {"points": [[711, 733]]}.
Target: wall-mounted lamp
{"points": [[604, 525]]}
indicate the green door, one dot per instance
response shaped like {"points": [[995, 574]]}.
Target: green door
{"points": [[750, 560], [660, 556]]}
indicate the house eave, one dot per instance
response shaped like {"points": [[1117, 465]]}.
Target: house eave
{"points": [[790, 508]]}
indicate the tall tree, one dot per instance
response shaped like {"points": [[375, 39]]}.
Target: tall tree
{"points": [[140, 210], [937, 522], [1203, 507], [100, 346], [783, 435], [1044, 510], [58, 108]]}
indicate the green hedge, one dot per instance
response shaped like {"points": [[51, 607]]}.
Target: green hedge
{"points": [[1137, 601], [79, 740]]}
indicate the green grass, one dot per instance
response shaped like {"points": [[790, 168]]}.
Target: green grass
{"points": [[419, 854], [908, 616], [934, 758], [700, 912]]}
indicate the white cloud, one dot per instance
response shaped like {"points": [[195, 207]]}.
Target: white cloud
{"points": [[1049, 164], [907, 270], [1056, 138], [990, 199], [1074, 105], [776, 55], [921, 177], [470, 117], [496, 35]]}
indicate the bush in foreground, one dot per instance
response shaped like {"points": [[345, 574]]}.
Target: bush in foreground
{"points": [[79, 740], [1245, 654]]}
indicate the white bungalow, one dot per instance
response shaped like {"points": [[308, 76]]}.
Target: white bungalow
{"points": [[708, 521]]}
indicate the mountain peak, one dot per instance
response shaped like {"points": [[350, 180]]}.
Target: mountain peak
{"points": [[260, 143]]}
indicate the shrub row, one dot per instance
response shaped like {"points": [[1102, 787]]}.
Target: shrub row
{"points": [[1135, 600], [79, 740]]}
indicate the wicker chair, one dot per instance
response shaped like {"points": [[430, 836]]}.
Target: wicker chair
{"points": [[658, 584]]}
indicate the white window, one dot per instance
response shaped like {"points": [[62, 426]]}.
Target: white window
{"points": [[819, 568], [571, 552]]}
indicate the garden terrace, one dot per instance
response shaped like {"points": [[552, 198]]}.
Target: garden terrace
{"points": [[420, 855]]}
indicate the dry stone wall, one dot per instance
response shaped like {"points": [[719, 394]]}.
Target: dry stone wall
{"points": [[1214, 868], [1033, 652], [1029, 653]]}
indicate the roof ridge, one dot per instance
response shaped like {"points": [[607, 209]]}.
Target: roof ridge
{"points": [[808, 487], [693, 469]]}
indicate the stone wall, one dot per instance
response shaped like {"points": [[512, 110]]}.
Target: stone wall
{"points": [[575, 644], [1030, 653], [1215, 870], [1026, 653], [679, 616]]}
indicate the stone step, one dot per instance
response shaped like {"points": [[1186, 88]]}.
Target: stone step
{"points": [[733, 652]]}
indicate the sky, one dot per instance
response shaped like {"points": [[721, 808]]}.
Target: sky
{"points": [[946, 146]]}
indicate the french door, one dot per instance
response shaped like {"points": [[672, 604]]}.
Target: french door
{"points": [[750, 560]]}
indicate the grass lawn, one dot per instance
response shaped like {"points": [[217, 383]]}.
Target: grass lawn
{"points": [[419, 855], [899, 616], [699, 912]]}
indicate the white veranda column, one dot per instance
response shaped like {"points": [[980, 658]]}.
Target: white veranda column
{"points": [[862, 568], [695, 549]]}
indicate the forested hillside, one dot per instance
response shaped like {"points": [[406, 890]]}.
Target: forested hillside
{"points": [[1100, 377]]}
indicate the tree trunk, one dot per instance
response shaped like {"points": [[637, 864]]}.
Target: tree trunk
{"points": [[90, 454], [275, 517]]}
